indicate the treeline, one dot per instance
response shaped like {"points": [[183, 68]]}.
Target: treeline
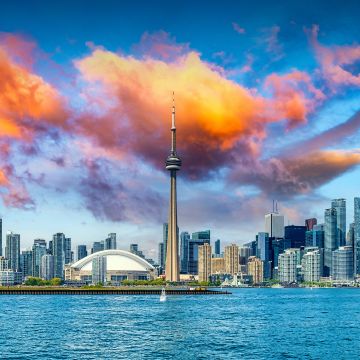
{"points": [[35, 281]]}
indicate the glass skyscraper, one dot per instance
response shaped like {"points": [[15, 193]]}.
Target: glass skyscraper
{"points": [[99, 269], [184, 251], [331, 239], [81, 252], [340, 206], [12, 251], [39, 250], [58, 250], [357, 235]]}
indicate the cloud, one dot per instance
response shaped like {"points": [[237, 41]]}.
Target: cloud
{"points": [[240, 30], [273, 46], [336, 61]]}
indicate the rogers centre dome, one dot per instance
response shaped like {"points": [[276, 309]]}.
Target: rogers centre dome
{"points": [[120, 265]]}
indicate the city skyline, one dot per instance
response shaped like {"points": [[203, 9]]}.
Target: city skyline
{"points": [[87, 152]]}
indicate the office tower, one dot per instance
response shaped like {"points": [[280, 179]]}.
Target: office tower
{"points": [[58, 252], [256, 269], [67, 251], [316, 236], [204, 262], [263, 246], [253, 246], [81, 252], [47, 267], [278, 246], [38, 251], [199, 238], [99, 269], [340, 206], [343, 264], [110, 242], [161, 259], [330, 239], [244, 253], [184, 252], [12, 251], [232, 259], [26, 259], [173, 164], [50, 247], [274, 225], [217, 247], [134, 249], [357, 235], [295, 235], [309, 223], [97, 246], [217, 265], [288, 266], [350, 237], [1, 244], [311, 265]]}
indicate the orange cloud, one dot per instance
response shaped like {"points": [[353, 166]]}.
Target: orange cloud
{"points": [[3, 178]]}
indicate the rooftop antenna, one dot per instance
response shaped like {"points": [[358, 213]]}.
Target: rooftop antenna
{"points": [[276, 207]]}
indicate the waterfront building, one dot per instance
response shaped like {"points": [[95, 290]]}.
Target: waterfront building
{"points": [[201, 235], [1, 238], [165, 240], [288, 268], [217, 248], [97, 246], [120, 265], [256, 269], [350, 237], [173, 164], [38, 251], [316, 236], [340, 206], [26, 263], [58, 246], [204, 262], [357, 235], [8, 277], [68, 256], [232, 259], [330, 239], [110, 242], [161, 259], [98, 271], [244, 254], [81, 252], [134, 249], [311, 265], [274, 225], [277, 247], [194, 243], [343, 264], [309, 223], [218, 265], [184, 252], [12, 251], [295, 235], [47, 267]]}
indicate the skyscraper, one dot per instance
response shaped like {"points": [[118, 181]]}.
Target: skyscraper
{"points": [[217, 247], [58, 246], [99, 268], [67, 251], [1, 245], [330, 238], [184, 251], [311, 265], [357, 235], [161, 259], [110, 242], [343, 264], [204, 262], [309, 223], [26, 263], [173, 164], [256, 269], [97, 246], [340, 206], [274, 225], [47, 267], [295, 235], [288, 265], [12, 251], [81, 252], [232, 259], [38, 251]]}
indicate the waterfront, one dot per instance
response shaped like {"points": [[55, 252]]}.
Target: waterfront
{"points": [[250, 324]]}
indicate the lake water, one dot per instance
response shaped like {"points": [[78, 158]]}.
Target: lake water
{"points": [[249, 324]]}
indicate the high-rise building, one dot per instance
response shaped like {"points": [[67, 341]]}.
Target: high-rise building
{"points": [[263, 246], [330, 238], [316, 236], [81, 252], [97, 246], [134, 249], [311, 265], [184, 251], [204, 262], [340, 206], [38, 251], [12, 251], [244, 254], [357, 235], [194, 253], [99, 268], [47, 267], [295, 235], [173, 164], [161, 259], [350, 237], [274, 225], [201, 235], [288, 266], [217, 247], [217, 265], [110, 242], [310, 223], [58, 246], [232, 259], [26, 263], [67, 251], [256, 269], [1, 243], [343, 264]]}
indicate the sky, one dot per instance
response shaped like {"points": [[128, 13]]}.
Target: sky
{"points": [[267, 102]]}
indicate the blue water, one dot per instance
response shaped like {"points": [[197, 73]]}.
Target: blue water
{"points": [[250, 324]]}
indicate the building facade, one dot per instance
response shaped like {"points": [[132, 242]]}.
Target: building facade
{"points": [[12, 251], [311, 266], [288, 266], [47, 267], [204, 262], [340, 206], [343, 264], [232, 259], [256, 269], [330, 238], [274, 225]]}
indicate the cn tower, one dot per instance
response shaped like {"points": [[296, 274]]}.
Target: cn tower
{"points": [[173, 164]]}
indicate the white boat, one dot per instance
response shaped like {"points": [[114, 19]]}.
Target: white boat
{"points": [[163, 295]]}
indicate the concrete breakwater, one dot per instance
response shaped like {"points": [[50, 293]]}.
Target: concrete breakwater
{"points": [[104, 291]]}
